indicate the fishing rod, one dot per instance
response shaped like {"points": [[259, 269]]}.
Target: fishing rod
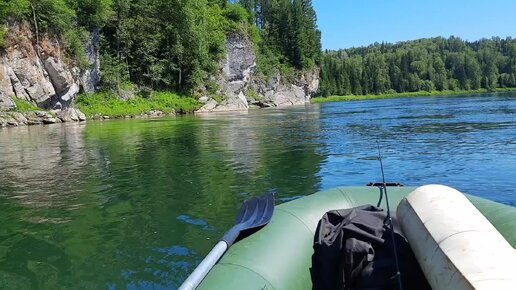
{"points": [[389, 219]]}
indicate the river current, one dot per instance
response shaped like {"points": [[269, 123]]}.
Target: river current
{"points": [[136, 204]]}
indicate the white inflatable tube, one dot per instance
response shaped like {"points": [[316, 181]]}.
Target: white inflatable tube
{"points": [[455, 245]]}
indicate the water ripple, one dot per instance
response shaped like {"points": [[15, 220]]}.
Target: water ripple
{"points": [[132, 204]]}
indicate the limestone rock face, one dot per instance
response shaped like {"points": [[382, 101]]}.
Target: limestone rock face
{"points": [[20, 118], [41, 73], [49, 120], [237, 69], [232, 103], [37, 117], [61, 78], [237, 78], [6, 103], [28, 75], [204, 99], [274, 92], [240, 59], [6, 88], [209, 106], [71, 114], [80, 115], [13, 119], [68, 115], [90, 77]]}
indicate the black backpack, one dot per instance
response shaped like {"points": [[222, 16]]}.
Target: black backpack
{"points": [[353, 250]]}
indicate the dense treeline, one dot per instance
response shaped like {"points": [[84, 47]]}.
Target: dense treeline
{"points": [[288, 28], [425, 64], [172, 44], [167, 44]]}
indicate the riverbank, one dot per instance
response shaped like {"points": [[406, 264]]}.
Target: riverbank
{"points": [[40, 117], [406, 94], [102, 105]]}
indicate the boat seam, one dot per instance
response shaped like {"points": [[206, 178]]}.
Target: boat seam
{"points": [[344, 195], [225, 263], [350, 200], [287, 212]]}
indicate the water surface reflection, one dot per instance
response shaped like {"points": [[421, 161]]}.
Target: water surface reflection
{"points": [[137, 203]]}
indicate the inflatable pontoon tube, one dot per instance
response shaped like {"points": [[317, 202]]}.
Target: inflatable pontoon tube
{"points": [[455, 245]]}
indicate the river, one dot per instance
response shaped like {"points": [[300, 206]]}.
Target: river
{"points": [[136, 204]]}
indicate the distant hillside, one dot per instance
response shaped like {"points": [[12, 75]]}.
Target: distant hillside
{"points": [[425, 64]]}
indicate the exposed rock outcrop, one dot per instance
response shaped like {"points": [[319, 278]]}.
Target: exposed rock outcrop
{"points": [[6, 103], [90, 77], [41, 73], [235, 76], [242, 87], [20, 118], [14, 119], [71, 114], [275, 93]]}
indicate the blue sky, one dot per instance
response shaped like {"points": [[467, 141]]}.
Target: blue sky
{"points": [[348, 23]]}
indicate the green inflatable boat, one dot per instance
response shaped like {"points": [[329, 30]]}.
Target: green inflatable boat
{"points": [[278, 256]]}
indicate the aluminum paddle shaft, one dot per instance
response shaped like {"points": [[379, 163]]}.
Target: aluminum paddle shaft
{"points": [[254, 213], [204, 267]]}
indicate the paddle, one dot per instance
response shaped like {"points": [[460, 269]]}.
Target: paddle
{"points": [[255, 212]]}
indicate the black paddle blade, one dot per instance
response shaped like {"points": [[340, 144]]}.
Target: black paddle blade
{"points": [[254, 213]]}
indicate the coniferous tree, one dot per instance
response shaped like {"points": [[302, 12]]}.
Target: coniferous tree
{"points": [[425, 64]]}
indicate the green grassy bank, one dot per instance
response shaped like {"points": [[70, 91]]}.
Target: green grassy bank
{"points": [[24, 106], [108, 104], [407, 94]]}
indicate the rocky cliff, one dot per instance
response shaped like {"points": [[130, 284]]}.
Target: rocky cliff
{"points": [[41, 73], [242, 87]]}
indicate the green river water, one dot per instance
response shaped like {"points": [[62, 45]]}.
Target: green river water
{"points": [[136, 204]]}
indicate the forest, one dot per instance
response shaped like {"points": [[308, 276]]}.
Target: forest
{"points": [[434, 64], [176, 45], [172, 45]]}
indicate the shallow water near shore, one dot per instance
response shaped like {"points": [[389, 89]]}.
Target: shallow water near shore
{"points": [[136, 204]]}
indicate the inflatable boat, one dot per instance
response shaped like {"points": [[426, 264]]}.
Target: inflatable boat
{"points": [[460, 241]]}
